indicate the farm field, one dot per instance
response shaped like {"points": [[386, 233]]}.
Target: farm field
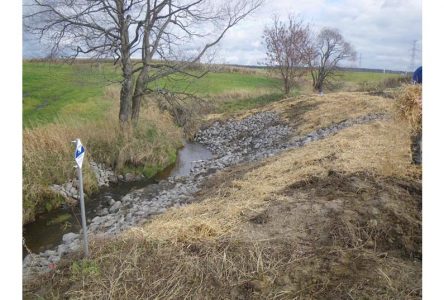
{"points": [[59, 92]]}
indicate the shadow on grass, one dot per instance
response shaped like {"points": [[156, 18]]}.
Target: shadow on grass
{"points": [[297, 111]]}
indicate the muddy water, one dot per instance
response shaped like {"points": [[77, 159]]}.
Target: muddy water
{"points": [[48, 229], [187, 155]]}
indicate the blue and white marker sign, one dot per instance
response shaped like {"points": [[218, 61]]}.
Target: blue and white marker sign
{"points": [[78, 156], [80, 153]]}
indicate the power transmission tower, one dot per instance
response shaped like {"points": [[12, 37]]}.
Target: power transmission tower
{"points": [[413, 57]]}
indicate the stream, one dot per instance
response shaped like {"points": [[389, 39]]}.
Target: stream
{"points": [[47, 230], [232, 142]]}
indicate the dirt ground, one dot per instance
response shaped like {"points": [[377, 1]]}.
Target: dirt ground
{"points": [[339, 218]]}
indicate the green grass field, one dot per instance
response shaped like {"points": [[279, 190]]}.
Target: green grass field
{"points": [[358, 77], [220, 83], [62, 92]]}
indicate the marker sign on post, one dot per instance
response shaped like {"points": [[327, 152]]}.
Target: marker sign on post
{"points": [[78, 156], [80, 153]]}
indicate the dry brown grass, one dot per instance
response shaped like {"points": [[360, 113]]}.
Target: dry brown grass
{"points": [[338, 218], [47, 151], [309, 112], [238, 69], [409, 105], [239, 94]]}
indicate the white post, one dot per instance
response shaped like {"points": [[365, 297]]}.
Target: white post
{"points": [[78, 155]]}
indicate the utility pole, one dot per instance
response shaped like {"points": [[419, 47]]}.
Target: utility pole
{"points": [[413, 57], [360, 60]]}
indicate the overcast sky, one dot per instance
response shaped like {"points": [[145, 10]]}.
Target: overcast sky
{"points": [[382, 31]]}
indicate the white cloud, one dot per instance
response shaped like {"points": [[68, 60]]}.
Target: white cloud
{"points": [[382, 31]]}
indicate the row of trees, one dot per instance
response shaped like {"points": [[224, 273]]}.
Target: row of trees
{"points": [[167, 35], [293, 50]]}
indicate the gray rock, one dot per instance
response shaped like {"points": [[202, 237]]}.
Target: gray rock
{"points": [[113, 179], [69, 237], [130, 177], [93, 227], [98, 220], [127, 198], [74, 246], [115, 207], [54, 258], [103, 212], [62, 249], [109, 222]]}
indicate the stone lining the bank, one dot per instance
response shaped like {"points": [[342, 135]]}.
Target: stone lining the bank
{"points": [[104, 176], [256, 137]]}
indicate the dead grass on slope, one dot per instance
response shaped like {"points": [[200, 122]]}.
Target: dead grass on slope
{"points": [[339, 218], [307, 113]]}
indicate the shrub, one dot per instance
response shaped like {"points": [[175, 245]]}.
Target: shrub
{"points": [[379, 88]]}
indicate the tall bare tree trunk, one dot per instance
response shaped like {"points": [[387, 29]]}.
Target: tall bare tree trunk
{"points": [[139, 91], [286, 86], [114, 28], [125, 100], [127, 84]]}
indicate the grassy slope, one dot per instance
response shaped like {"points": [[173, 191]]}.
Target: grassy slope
{"points": [[54, 92], [215, 83], [357, 77], [337, 218]]}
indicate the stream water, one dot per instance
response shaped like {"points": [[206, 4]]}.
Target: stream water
{"points": [[47, 230]]}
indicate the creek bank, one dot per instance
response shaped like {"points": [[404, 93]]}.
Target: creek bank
{"points": [[232, 142], [105, 176]]}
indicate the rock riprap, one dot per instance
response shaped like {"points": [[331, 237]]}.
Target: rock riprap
{"points": [[259, 131], [234, 141]]}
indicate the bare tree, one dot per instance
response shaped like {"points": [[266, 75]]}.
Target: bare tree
{"points": [[286, 49], [167, 36], [327, 51]]}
